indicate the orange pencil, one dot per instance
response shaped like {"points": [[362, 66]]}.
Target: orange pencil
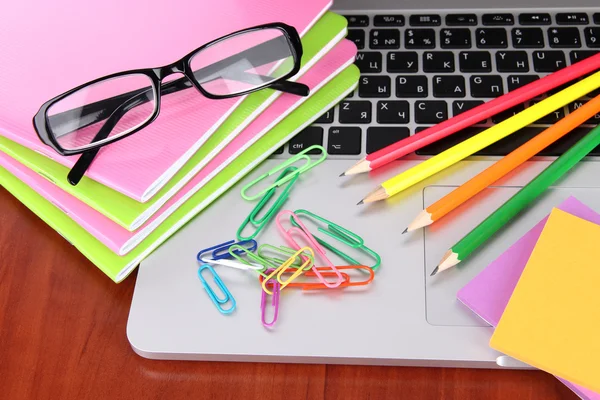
{"points": [[499, 169]]}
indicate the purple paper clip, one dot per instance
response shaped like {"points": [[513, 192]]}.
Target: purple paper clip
{"points": [[303, 231], [274, 302]]}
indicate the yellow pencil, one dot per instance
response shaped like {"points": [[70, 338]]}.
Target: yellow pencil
{"points": [[491, 135]]}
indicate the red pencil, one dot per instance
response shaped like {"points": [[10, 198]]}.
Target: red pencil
{"points": [[475, 115]]}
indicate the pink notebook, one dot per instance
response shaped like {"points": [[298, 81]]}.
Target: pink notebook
{"points": [[49, 47], [489, 292], [120, 240]]}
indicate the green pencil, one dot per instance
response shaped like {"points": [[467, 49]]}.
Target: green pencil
{"points": [[468, 244]]}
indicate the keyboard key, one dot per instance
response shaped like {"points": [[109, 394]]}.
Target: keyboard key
{"points": [[512, 61], [312, 135], [572, 19], [438, 61], [551, 118], [393, 112], [431, 112], [384, 39], [419, 38], [511, 142], [380, 137], [459, 38], [447, 142], [460, 106], [279, 150], [355, 112], [595, 120], [491, 38], [402, 61], [516, 81], [344, 140], [592, 37], [375, 86], [389, 20], [368, 61], [498, 19], [461, 19], [564, 37], [475, 61], [548, 61], [579, 55], [486, 86], [425, 20], [527, 38], [447, 86], [357, 36], [357, 20], [411, 86], [504, 115], [535, 19], [597, 18], [326, 118]]}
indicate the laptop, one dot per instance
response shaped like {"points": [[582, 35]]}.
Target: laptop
{"points": [[413, 56]]}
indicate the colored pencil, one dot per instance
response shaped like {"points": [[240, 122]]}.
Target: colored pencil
{"points": [[456, 124], [503, 215], [507, 164], [491, 135]]}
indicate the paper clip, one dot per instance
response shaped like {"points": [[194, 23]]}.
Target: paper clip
{"points": [[222, 259], [327, 273], [300, 156], [283, 267], [274, 303], [340, 234], [303, 231], [260, 223], [237, 251], [217, 301], [285, 251], [221, 251]]}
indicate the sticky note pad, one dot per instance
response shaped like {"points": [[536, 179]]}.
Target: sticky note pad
{"points": [[552, 320]]}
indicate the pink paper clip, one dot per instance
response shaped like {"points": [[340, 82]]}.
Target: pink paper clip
{"points": [[303, 231], [274, 302]]}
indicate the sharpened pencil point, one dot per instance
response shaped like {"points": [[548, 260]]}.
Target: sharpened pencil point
{"points": [[360, 203], [406, 230], [342, 174], [435, 271]]}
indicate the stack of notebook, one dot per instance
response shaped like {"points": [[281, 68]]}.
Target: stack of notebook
{"points": [[141, 189], [542, 297]]}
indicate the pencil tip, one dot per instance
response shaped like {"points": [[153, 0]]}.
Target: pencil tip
{"points": [[342, 174], [360, 202], [406, 230], [435, 271]]}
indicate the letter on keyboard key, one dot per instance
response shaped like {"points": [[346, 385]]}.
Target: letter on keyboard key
{"points": [[355, 112], [312, 135], [512, 61], [491, 38], [548, 61], [430, 112], [375, 86], [592, 37], [326, 118], [486, 86], [455, 38], [564, 37], [402, 61], [580, 55], [380, 137], [504, 115], [516, 81], [385, 39], [419, 38], [344, 140], [551, 118], [446, 86], [358, 37], [527, 38], [577, 105], [411, 86], [393, 112], [460, 106], [475, 61], [438, 61], [368, 62]]}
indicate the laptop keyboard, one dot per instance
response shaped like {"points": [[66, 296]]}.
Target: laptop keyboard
{"points": [[421, 69]]}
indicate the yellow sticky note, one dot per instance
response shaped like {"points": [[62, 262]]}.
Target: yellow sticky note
{"points": [[552, 320]]}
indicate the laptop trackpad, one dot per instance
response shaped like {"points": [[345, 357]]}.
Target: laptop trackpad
{"points": [[442, 306]]}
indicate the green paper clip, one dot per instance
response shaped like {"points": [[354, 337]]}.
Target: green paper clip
{"points": [[287, 252], [340, 234], [252, 256], [260, 223], [280, 181]]}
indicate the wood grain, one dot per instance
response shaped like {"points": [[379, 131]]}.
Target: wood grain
{"points": [[63, 337]]}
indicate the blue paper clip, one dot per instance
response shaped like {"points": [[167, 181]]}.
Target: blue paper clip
{"points": [[259, 223], [221, 251], [300, 156], [217, 301]]}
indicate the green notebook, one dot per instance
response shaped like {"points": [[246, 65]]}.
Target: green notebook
{"points": [[130, 214], [117, 268]]}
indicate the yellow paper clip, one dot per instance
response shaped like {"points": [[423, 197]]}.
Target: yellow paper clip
{"points": [[283, 267]]}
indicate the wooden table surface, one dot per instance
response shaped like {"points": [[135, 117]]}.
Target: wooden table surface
{"points": [[63, 337]]}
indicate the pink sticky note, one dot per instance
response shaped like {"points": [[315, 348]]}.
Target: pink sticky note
{"points": [[489, 292]]}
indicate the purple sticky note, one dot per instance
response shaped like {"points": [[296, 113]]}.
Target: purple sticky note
{"points": [[487, 295]]}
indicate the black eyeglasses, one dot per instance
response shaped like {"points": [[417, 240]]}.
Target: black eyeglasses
{"points": [[113, 107]]}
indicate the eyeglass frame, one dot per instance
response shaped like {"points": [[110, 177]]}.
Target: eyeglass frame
{"points": [[157, 75]]}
